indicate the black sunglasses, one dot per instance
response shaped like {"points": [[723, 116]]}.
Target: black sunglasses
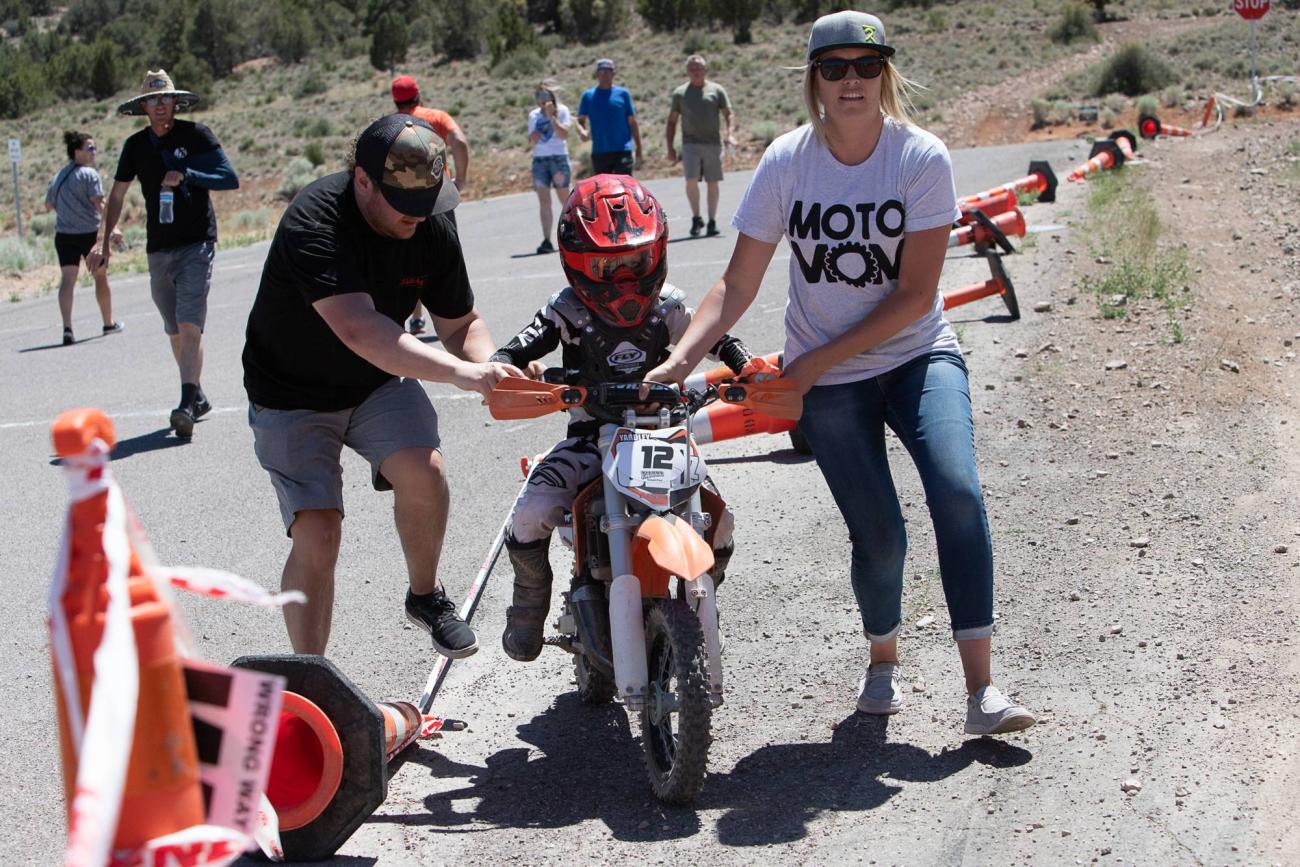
{"points": [[835, 68]]}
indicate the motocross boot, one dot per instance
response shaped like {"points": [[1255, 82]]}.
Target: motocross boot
{"points": [[526, 618]]}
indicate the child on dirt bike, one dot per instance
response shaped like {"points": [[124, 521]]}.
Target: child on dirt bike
{"points": [[616, 320]]}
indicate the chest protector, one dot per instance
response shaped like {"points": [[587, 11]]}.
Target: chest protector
{"points": [[604, 353]]}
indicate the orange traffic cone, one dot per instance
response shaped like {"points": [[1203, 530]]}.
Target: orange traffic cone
{"points": [[999, 284], [979, 233], [124, 722], [1040, 179], [1105, 154], [990, 206], [1150, 126]]}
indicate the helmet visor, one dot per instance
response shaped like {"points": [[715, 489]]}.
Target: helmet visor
{"points": [[621, 266]]}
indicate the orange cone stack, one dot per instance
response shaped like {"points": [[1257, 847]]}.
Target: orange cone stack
{"points": [[990, 206], [124, 723]]}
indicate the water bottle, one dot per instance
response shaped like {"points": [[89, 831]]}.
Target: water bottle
{"points": [[165, 201]]}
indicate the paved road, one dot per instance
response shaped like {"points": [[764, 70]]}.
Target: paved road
{"points": [[208, 503]]}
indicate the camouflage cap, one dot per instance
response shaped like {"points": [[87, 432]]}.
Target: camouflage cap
{"points": [[408, 161]]}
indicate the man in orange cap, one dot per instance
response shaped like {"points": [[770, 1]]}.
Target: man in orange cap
{"points": [[406, 96]]}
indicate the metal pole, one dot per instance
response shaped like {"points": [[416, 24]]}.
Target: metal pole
{"points": [[1254, 78], [18, 207]]}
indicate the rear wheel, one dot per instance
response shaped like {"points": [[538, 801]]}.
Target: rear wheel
{"points": [[594, 686], [677, 714]]}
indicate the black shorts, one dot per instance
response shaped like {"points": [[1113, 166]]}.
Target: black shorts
{"points": [[73, 248], [612, 162]]}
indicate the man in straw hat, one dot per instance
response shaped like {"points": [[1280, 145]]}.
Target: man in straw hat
{"points": [[178, 162], [327, 363]]}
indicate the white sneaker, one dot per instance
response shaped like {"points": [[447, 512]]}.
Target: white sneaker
{"points": [[878, 691], [989, 712]]}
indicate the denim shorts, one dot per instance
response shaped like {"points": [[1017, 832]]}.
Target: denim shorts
{"points": [[926, 402], [552, 171], [179, 280], [300, 448]]}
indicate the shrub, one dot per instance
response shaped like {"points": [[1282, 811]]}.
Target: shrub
{"points": [[1148, 105], [42, 225], [669, 14], [312, 127], [1074, 23], [315, 153], [1042, 110], [511, 33], [22, 255], [299, 174], [290, 32], [765, 132], [1133, 71], [526, 62], [589, 21], [251, 221], [311, 85], [458, 27], [388, 42]]}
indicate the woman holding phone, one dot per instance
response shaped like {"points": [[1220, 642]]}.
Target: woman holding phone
{"points": [[548, 133], [866, 201]]}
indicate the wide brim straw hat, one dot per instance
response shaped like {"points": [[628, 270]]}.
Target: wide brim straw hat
{"points": [[158, 83]]}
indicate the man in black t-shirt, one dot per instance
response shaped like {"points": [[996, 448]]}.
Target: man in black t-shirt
{"points": [[327, 363], [177, 162]]}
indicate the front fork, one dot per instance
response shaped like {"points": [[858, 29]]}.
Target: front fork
{"points": [[626, 614]]}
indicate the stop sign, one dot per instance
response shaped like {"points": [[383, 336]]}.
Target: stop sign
{"points": [[1250, 9]]}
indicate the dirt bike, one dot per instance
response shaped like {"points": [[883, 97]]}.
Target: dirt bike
{"points": [[640, 616]]}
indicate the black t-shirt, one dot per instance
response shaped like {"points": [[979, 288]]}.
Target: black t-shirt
{"points": [[324, 247], [142, 156]]}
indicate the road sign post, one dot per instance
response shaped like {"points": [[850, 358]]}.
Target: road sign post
{"points": [[1252, 11], [15, 157]]}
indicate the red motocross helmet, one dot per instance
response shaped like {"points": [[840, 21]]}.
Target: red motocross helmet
{"points": [[613, 244]]}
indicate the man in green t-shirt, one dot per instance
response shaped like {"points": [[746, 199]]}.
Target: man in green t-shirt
{"points": [[699, 103]]}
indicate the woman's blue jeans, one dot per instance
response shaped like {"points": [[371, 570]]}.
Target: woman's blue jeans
{"points": [[926, 402]]}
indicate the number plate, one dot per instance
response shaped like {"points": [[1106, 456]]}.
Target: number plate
{"points": [[648, 465]]}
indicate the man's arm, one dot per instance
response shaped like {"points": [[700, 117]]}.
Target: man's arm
{"points": [[98, 257], [730, 117], [386, 345], [212, 170], [583, 132], [636, 137], [459, 145], [466, 337], [671, 128]]}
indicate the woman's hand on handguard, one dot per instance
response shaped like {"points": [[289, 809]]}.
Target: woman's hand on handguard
{"points": [[803, 372], [481, 376], [673, 371]]}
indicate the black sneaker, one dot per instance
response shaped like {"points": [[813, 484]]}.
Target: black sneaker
{"points": [[697, 225], [68, 339], [712, 231], [202, 406], [545, 247], [436, 615], [115, 328], [182, 421]]}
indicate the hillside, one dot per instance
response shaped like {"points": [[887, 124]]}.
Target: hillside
{"points": [[991, 73]]}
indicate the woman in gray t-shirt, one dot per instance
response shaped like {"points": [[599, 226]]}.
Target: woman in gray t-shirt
{"points": [[76, 195], [866, 201]]}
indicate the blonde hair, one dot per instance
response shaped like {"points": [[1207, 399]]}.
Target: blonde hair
{"points": [[895, 97]]}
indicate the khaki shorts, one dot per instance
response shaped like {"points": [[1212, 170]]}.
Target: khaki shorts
{"points": [[300, 448], [179, 280], [702, 162]]}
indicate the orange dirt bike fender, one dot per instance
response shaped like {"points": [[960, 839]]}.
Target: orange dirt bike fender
{"points": [[515, 397], [666, 546]]}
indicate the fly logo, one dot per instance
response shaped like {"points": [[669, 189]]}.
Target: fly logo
{"points": [[180, 153], [626, 355]]}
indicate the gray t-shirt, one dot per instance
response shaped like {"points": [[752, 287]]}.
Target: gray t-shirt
{"points": [[70, 193], [845, 225], [700, 108]]}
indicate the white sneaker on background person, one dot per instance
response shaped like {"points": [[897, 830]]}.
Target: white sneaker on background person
{"points": [[989, 712], [879, 691]]}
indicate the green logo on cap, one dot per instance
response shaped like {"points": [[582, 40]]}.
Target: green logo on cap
{"points": [[869, 30]]}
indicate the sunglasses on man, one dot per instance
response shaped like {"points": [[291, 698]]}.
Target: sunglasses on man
{"points": [[835, 68], [151, 101]]}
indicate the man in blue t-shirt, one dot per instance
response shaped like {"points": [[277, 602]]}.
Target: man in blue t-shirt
{"points": [[607, 116]]}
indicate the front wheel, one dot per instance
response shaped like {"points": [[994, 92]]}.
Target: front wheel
{"points": [[677, 714]]}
